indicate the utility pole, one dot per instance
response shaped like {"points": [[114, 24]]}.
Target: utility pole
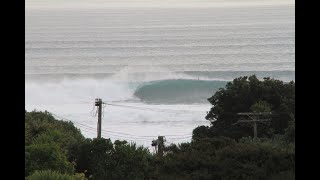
{"points": [[159, 145], [98, 103], [254, 119]]}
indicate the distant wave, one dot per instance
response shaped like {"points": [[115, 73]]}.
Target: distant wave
{"points": [[179, 91], [284, 75]]}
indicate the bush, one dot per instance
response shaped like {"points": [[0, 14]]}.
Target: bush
{"points": [[49, 143], [248, 94], [102, 159], [45, 157], [223, 158], [53, 175]]}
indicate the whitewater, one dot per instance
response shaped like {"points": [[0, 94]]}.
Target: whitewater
{"points": [[154, 67]]}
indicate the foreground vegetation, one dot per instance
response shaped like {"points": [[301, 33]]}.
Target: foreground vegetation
{"points": [[57, 150]]}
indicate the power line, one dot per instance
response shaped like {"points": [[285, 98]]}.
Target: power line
{"points": [[112, 132], [88, 131], [186, 137], [179, 134], [92, 130], [133, 139], [116, 136], [123, 135], [92, 111]]}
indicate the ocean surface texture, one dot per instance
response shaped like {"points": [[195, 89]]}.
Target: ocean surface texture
{"points": [[154, 67]]}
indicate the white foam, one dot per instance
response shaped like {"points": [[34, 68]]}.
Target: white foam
{"points": [[74, 98]]}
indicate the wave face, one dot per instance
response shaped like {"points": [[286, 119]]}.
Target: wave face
{"points": [[180, 91]]}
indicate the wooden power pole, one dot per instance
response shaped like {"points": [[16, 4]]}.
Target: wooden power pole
{"points": [[253, 120], [159, 145], [98, 103]]}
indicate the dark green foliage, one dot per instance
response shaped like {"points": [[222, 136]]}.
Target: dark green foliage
{"points": [[255, 161], [103, 160], [47, 156], [201, 132], [42, 126], [248, 94], [223, 158], [131, 161], [59, 146], [53, 175], [50, 144], [261, 106], [290, 133]]}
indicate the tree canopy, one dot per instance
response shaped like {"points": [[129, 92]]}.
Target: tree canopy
{"points": [[49, 143], [249, 94]]}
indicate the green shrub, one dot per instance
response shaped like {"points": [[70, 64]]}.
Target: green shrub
{"points": [[53, 175]]}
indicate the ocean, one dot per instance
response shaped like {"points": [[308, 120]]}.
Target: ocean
{"points": [[155, 67]]}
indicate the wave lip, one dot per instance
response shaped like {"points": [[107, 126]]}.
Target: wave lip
{"points": [[178, 91]]}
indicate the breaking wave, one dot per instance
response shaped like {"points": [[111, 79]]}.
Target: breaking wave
{"points": [[178, 91]]}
